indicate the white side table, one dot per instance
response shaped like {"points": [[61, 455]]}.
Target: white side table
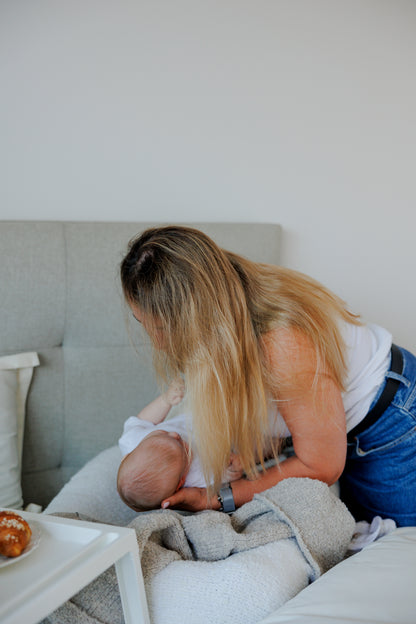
{"points": [[69, 555]]}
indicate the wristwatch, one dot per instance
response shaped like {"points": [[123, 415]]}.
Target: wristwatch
{"points": [[226, 499]]}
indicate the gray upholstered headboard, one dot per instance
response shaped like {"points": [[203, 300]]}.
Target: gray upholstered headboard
{"points": [[60, 296]]}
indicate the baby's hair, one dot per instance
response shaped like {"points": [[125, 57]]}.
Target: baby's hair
{"points": [[151, 472]]}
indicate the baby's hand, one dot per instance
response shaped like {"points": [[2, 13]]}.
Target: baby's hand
{"points": [[234, 470], [175, 393]]}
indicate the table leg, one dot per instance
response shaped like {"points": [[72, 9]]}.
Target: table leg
{"points": [[132, 592]]}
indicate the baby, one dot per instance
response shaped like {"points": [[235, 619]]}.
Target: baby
{"points": [[157, 459]]}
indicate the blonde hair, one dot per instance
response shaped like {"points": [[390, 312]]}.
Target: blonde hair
{"points": [[151, 472], [213, 308]]}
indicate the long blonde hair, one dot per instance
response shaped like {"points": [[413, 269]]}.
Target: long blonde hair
{"points": [[213, 308]]}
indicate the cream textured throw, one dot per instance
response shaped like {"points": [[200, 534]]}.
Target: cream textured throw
{"points": [[211, 567]]}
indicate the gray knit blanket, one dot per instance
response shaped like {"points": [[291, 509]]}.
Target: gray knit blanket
{"points": [[209, 567]]}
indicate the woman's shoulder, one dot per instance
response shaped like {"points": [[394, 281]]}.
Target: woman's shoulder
{"points": [[289, 351]]}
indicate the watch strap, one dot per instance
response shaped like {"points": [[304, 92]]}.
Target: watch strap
{"points": [[226, 499]]}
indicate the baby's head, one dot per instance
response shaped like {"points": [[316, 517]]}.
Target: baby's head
{"points": [[154, 470]]}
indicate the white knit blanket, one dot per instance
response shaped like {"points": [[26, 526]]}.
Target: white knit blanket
{"points": [[212, 568]]}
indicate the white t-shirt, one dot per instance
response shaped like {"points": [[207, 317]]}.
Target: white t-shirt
{"points": [[368, 360], [135, 430]]}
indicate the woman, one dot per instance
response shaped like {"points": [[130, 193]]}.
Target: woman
{"points": [[247, 335]]}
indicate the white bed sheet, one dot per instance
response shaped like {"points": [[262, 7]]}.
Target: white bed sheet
{"points": [[375, 586]]}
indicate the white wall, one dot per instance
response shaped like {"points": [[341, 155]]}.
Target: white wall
{"points": [[298, 112]]}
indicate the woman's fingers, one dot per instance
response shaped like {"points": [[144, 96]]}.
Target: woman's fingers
{"points": [[187, 499]]}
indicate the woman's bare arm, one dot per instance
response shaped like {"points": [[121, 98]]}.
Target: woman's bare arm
{"points": [[311, 405]]}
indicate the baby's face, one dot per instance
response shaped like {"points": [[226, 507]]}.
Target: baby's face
{"points": [[184, 449]]}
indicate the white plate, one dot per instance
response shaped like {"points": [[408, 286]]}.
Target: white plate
{"points": [[34, 543]]}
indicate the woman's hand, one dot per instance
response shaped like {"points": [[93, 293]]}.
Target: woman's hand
{"points": [[234, 470], [191, 499]]}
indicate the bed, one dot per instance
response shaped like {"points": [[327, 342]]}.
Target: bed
{"points": [[70, 376]]}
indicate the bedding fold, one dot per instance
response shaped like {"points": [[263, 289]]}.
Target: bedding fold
{"points": [[302, 509], [298, 511]]}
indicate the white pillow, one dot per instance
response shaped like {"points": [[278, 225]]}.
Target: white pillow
{"points": [[15, 377]]}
